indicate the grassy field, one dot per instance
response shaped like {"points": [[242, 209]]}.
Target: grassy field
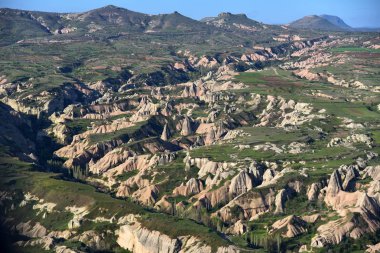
{"points": [[97, 138], [354, 50]]}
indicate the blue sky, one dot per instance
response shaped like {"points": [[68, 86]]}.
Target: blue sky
{"points": [[357, 13]]}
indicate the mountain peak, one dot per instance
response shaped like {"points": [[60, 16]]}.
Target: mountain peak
{"points": [[229, 14], [335, 20], [110, 6], [318, 23], [224, 14]]}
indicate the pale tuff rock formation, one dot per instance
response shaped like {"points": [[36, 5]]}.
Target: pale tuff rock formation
{"points": [[251, 205], [349, 140], [44, 207], [64, 249], [190, 91], [373, 172], [350, 174], [311, 218], [135, 238], [291, 226], [304, 249], [208, 167], [167, 110], [46, 243], [363, 219], [186, 128], [281, 197], [282, 113], [240, 184], [93, 240], [164, 205], [66, 234], [61, 132], [140, 163], [124, 190], [31, 230], [193, 186], [110, 160], [165, 133], [373, 248], [145, 109], [268, 147], [233, 134], [314, 190], [210, 137], [358, 210], [238, 228], [374, 187], [157, 93], [138, 239], [335, 184], [306, 74], [213, 198], [79, 213], [271, 177], [146, 196]]}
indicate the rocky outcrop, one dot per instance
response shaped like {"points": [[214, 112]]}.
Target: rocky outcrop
{"points": [[314, 190], [164, 205], [281, 197], [373, 248], [32, 231], [64, 249], [146, 196], [305, 73], [238, 228], [349, 181], [186, 128], [251, 205], [240, 184], [290, 226], [46, 243], [165, 133], [360, 219], [93, 240], [349, 140], [62, 133], [334, 187], [110, 160], [135, 238], [193, 186]]}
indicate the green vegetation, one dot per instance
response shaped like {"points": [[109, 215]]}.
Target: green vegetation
{"points": [[66, 193], [171, 175], [354, 50], [175, 227], [79, 125], [118, 134]]}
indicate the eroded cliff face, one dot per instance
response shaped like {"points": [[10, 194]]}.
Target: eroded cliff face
{"points": [[136, 238]]}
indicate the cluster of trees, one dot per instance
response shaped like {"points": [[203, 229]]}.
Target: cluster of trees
{"points": [[76, 172], [254, 239]]}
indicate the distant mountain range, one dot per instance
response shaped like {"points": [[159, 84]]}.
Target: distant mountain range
{"points": [[326, 23], [19, 24], [323, 22]]}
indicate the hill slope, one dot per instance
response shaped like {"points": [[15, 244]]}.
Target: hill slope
{"points": [[337, 21], [234, 21], [315, 22]]}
